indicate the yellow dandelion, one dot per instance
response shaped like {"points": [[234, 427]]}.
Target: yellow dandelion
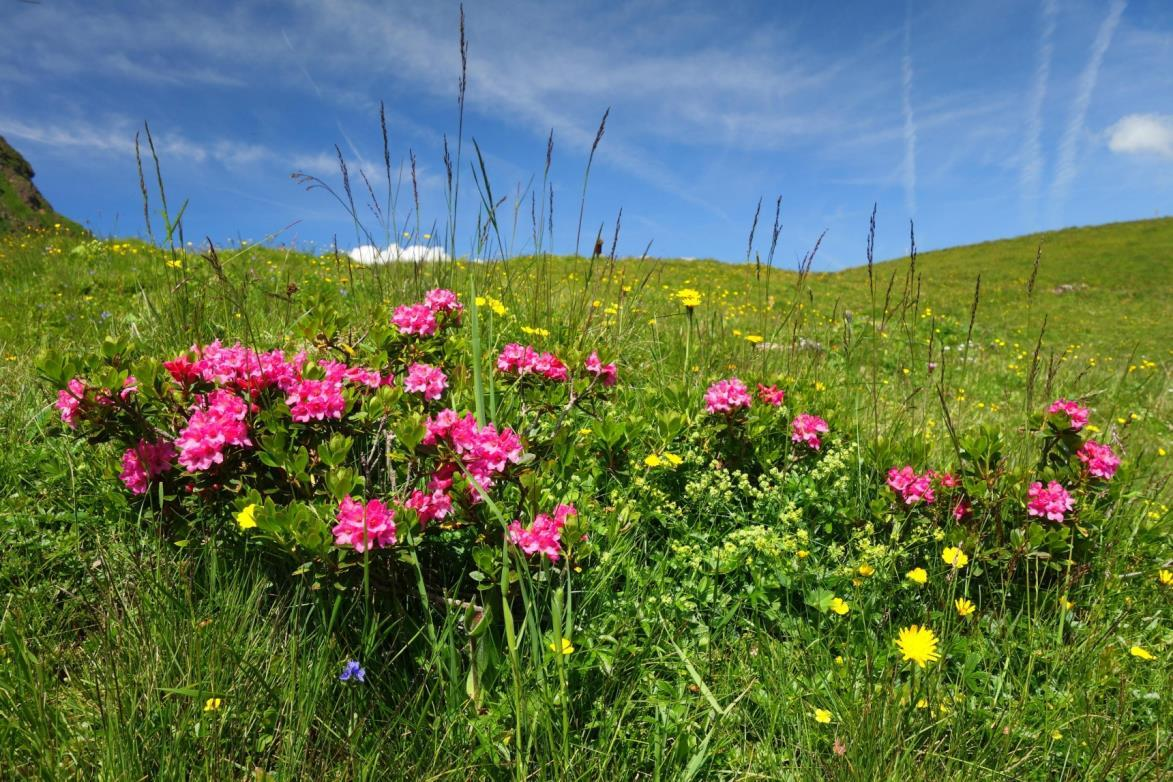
{"points": [[964, 607], [955, 557], [823, 717], [652, 460], [918, 644], [754, 339], [673, 459], [917, 575], [1165, 577]]}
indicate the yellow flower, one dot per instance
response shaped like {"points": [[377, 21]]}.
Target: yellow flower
{"points": [[652, 460], [673, 459], [1165, 577], [1056, 735], [754, 339], [584, 431], [917, 575], [839, 606], [211, 704], [247, 518], [839, 659], [534, 331], [1067, 604], [802, 553], [688, 297], [955, 557], [918, 644], [922, 703], [564, 648], [822, 716], [1143, 654], [964, 607], [866, 570]]}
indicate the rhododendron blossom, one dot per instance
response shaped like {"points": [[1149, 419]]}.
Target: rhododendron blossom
{"points": [[544, 534], [1101, 461], [238, 367], [523, 360], [419, 319], [436, 505], [771, 395], [443, 300], [961, 509], [607, 373], [425, 379], [338, 372], [219, 423], [484, 452], [1051, 501], [910, 487], [364, 526], [315, 400], [806, 428], [726, 396], [1076, 414], [69, 401], [144, 462]]}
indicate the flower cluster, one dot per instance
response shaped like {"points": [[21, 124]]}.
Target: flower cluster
{"points": [[521, 360], [315, 400], [484, 452], [236, 367], [364, 525], [806, 428], [911, 487], [771, 395], [544, 534], [439, 308], [607, 373], [1101, 461], [1076, 414], [1050, 501], [727, 396], [427, 380], [145, 462], [69, 401], [215, 424]]}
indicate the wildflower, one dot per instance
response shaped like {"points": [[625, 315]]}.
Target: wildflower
{"points": [[840, 606], [69, 402], [964, 607], [1076, 415], [1165, 577], [918, 644], [955, 557], [1056, 735], [910, 487], [1051, 502], [563, 648], [652, 460], [544, 534], [351, 670], [144, 462], [607, 373], [866, 570], [1143, 654], [441, 300], [523, 360], [364, 526], [754, 339], [949, 481], [217, 423], [212, 704], [961, 509], [419, 319], [688, 297], [247, 518], [425, 379], [673, 459], [771, 395], [726, 396], [806, 428], [917, 575], [823, 717], [428, 507], [315, 400], [1101, 461]]}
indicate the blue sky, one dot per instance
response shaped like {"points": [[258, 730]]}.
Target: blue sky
{"points": [[978, 120]]}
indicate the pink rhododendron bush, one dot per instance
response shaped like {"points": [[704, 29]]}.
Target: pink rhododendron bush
{"points": [[335, 456]]}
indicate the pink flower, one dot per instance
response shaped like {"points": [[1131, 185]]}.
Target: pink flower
{"points": [[605, 372], [443, 300], [771, 395], [211, 428], [436, 505], [182, 370], [441, 479], [144, 462], [415, 319], [484, 452], [910, 487], [338, 372], [961, 509], [1101, 461], [315, 400], [807, 428], [726, 396], [1052, 501], [1076, 415], [523, 360], [364, 526], [544, 534], [69, 401], [950, 481], [237, 367], [425, 379], [438, 426], [550, 367]]}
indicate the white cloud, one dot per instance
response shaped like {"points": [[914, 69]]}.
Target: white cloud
{"points": [[368, 254], [1142, 134]]}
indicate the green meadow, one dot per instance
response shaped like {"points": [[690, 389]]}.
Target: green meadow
{"points": [[732, 607]]}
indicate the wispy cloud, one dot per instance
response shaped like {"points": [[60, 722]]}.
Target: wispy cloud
{"points": [[1067, 165], [1031, 175], [1142, 134], [909, 119]]}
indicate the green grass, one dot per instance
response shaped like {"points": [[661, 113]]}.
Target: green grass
{"points": [[113, 634]]}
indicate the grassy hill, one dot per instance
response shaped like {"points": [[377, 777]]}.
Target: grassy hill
{"points": [[730, 603], [21, 204]]}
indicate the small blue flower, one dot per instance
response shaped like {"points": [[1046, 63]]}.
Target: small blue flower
{"points": [[352, 670]]}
